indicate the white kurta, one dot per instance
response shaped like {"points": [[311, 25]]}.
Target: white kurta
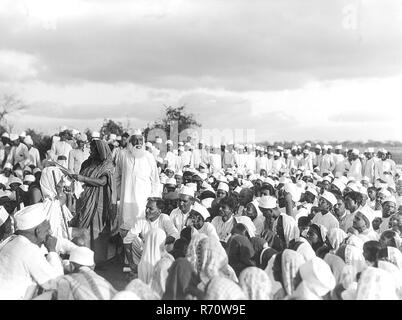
{"points": [[179, 219], [327, 163], [171, 160], [62, 148], [250, 162], [19, 155], [34, 157], [339, 164], [23, 266], [137, 180], [216, 162], [355, 170]]}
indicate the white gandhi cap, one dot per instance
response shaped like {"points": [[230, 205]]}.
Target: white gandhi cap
{"points": [[83, 256], [201, 210], [30, 217]]}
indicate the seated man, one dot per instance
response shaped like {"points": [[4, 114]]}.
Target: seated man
{"points": [[225, 222], [23, 266], [83, 283], [154, 218], [197, 218]]}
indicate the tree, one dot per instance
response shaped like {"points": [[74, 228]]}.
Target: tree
{"points": [[185, 120], [109, 126], [9, 103]]}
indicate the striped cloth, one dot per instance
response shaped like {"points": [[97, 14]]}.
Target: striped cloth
{"points": [[84, 285]]}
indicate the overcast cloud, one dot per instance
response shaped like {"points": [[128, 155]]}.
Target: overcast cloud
{"points": [[290, 69]]}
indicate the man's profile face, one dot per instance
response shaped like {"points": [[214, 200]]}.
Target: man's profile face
{"points": [[152, 212]]}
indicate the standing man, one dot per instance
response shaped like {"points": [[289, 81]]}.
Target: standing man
{"points": [[79, 155], [355, 170], [368, 170], [170, 159], [19, 155], [339, 162], [383, 168], [200, 155], [229, 157], [34, 157], [327, 161], [137, 180], [62, 148], [5, 148]]}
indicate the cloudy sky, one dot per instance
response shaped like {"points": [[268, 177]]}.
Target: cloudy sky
{"points": [[290, 69]]}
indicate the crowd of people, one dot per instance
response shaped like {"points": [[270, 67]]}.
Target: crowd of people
{"points": [[198, 221]]}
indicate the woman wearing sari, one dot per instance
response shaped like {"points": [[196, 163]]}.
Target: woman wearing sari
{"points": [[96, 207], [285, 268]]}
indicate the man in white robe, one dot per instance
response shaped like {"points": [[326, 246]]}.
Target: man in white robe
{"points": [[19, 154], [79, 155], [215, 159], [62, 149], [199, 156], [355, 170], [137, 180], [23, 266], [383, 169], [34, 157]]}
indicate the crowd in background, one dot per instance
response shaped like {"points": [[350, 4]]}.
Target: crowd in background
{"points": [[198, 221]]}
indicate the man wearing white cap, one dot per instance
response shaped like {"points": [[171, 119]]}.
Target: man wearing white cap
{"points": [[339, 161], [294, 159], [261, 160], [229, 155], [388, 209], [306, 161], [250, 158], [23, 266], [277, 164], [19, 154], [199, 155], [215, 159], [179, 216], [318, 156], [225, 221], [34, 157], [62, 148], [137, 179], [240, 157], [326, 203], [83, 283], [355, 170], [154, 218], [368, 169], [197, 218], [327, 162], [170, 160], [79, 155], [383, 169]]}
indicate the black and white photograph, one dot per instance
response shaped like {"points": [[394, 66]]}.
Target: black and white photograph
{"points": [[200, 150]]}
